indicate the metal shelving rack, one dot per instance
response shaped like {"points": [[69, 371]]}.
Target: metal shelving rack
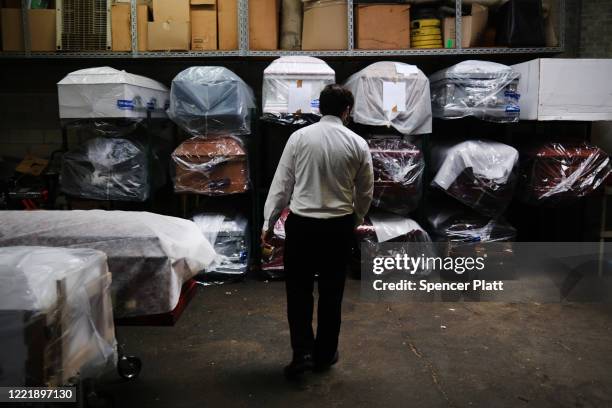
{"points": [[243, 43]]}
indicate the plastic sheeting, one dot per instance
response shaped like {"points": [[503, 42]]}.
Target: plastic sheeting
{"points": [[105, 92], [272, 258], [398, 173], [478, 173], [106, 169], [292, 84], [211, 166], [554, 172], [56, 318], [230, 238], [392, 94], [208, 100], [149, 255], [485, 90], [463, 226]]}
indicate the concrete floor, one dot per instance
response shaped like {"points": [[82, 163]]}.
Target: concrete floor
{"points": [[229, 348]]}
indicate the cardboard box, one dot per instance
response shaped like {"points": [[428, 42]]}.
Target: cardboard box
{"points": [[227, 21], [42, 30], [142, 18], [472, 28], [382, 26], [203, 2], [204, 27], [263, 24], [168, 35], [170, 10], [325, 25], [120, 27], [565, 89]]}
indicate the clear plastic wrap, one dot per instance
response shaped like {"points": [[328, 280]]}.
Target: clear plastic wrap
{"points": [[215, 165], [485, 90], [392, 94], [107, 169], [466, 226], [56, 317], [150, 255], [294, 83], [553, 173], [105, 92], [209, 100], [230, 238], [479, 173], [398, 173], [273, 252]]}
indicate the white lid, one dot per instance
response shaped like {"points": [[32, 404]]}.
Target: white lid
{"points": [[108, 75]]}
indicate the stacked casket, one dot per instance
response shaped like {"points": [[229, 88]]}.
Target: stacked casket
{"points": [[56, 317], [106, 169], [230, 239], [554, 173], [109, 104], [398, 172], [272, 258], [485, 90], [214, 165], [481, 174], [392, 94]]}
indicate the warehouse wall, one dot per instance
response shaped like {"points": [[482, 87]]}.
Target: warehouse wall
{"points": [[596, 29]]}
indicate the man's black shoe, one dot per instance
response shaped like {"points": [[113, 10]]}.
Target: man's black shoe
{"points": [[321, 366], [298, 366]]}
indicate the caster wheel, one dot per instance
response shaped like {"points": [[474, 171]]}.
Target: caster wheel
{"points": [[129, 367]]}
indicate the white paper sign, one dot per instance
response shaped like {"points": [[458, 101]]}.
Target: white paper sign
{"points": [[406, 69], [394, 96], [299, 98]]}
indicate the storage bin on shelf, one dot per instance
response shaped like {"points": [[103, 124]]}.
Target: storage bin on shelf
{"points": [[485, 90]]}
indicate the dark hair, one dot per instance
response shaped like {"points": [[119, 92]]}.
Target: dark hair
{"points": [[334, 100]]}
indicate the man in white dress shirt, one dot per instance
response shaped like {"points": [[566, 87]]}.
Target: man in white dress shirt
{"points": [[325, 176]]}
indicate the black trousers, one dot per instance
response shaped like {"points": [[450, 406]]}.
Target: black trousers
{"points": [[319, 246]]}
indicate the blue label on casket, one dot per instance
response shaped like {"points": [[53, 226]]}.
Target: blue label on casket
{"points": [[314, 103], [512, 94], [125, 104], [152, 104], [512, 109]]}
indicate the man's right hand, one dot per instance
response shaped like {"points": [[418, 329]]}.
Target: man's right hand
{"points": [[266, 235]]}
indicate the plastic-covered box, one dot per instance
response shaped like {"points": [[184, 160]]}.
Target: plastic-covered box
{"points": [[554, 172], [392, 94], [485, 90], [481, 174], [398, 174], [211, 166], [56, 316], [209, 100]]}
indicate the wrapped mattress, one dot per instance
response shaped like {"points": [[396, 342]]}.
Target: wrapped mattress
{"points": [[56, 316], [106, 169], [206, 100], [211, 166], [273, 252], [485, 90], [392, 94], [398, 173], [292, 84], [554, 172], [230, 238], [479, 173], [105, 92], [150, 256]]}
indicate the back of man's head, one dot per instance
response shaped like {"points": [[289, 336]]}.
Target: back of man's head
{"points": [[335, 99]]}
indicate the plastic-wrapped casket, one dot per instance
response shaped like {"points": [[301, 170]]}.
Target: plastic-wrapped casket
{"points": [[56, 316], [205, 100], [230, 238], [211, 166], [105, 92], [392, 94], [479, 173], [150, 255], [555, 172], [106, 169], [294, 83], [272, 258], [398, 173], [485, 90]]}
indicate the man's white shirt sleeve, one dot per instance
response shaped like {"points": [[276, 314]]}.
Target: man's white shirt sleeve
{"points": [[282, 185], [364, 187]]}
